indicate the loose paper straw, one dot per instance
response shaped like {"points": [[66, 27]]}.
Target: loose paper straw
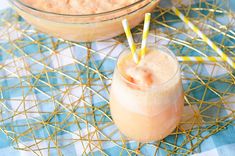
{"points": [[145, 34], [204, 37], [200, 59], [130, 39]]}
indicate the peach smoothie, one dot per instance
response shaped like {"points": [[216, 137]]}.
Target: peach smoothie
{"points": [[83, 20], [146, 99], [78, 6]]}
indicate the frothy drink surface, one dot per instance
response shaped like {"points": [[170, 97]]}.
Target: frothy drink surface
{"points": [[146, 99], [156, 68], [78, 6]]}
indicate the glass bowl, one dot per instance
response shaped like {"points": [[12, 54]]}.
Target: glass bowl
{"points": [[85, 27]]}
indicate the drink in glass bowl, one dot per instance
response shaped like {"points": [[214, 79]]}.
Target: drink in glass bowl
{"points": [[146, 99], [83, 20]]}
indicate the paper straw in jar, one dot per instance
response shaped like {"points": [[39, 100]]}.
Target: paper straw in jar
{"points": [[204, 37], [145, 34], [200, 59], [130, 39]]}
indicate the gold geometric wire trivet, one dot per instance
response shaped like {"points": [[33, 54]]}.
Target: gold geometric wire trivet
{"points": [[54, 93]]}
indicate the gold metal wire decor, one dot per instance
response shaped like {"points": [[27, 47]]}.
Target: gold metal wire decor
{"points": [[54, 93]]}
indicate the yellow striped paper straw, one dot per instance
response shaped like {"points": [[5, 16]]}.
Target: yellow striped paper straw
{"points": [[145, 34], [200, 59], [130, 39], [204, 37]]}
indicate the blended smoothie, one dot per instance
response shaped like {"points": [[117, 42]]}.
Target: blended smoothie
{"points": [[78, 6], [83, 20], [146, 99]]}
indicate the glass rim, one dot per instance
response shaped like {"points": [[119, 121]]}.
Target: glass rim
{"points": [[80, 15], [166, 50]]}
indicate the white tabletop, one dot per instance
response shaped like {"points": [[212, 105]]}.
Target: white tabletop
{"points": [[3, 4]]}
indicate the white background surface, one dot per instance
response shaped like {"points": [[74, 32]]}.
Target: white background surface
{"points": [[3, 4]]}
